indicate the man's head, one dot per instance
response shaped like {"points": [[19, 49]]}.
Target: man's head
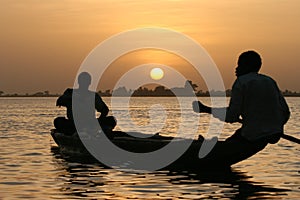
{"points": [[84, 80], [248, 61]]}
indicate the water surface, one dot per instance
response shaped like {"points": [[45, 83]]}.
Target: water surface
{"points": [[31, 166]]}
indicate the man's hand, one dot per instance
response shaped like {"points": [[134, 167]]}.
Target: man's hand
{"points": [[201, 108]]}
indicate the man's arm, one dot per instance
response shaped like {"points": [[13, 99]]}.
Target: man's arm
{"points": [[232, 112], [219, 113], [284, 107], [201, 108], [65, 99], [101, 106]]}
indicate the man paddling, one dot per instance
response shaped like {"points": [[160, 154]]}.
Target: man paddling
{"points": [[85, 108], [256, 102]]}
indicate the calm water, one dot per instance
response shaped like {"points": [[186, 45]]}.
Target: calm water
{"points": [[31, 166]]}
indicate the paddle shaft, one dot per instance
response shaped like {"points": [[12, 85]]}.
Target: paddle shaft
{"points": [[291, 138]]}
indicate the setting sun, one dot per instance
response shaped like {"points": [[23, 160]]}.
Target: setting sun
{"points": [[156, 73]]}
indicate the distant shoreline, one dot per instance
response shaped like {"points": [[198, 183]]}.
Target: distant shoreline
{"points": [[57, 95], [189, 90]]}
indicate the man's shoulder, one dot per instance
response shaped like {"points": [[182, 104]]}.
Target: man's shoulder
{"points": [[267, 79], [65, 99], [265, 76], [253, 76], [68, 91], [94, 93], [97, 96]]}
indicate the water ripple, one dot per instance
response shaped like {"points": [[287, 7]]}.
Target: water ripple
{"points": [[32, 167]]}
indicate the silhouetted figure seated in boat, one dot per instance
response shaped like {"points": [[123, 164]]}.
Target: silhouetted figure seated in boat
{"points": [[83, 96], [257, 103]]}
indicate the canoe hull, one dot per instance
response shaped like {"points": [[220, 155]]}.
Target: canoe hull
{"points": [[219, 158]]}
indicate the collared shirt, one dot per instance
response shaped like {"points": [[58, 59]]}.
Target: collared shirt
{"points": [[257, 101]]}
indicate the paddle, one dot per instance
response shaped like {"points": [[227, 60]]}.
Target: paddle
{"points": [[291, 138], [199, 107]]}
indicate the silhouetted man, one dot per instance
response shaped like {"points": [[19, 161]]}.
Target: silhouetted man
{"points": [[83, 95], [256, 102]]}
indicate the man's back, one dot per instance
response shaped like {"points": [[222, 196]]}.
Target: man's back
{"points": [[263, 108], [87, 103]]}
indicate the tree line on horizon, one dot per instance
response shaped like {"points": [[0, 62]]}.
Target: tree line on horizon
{"points": [[189, 89]]}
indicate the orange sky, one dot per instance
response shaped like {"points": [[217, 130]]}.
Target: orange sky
{"points": [[43, 43]]}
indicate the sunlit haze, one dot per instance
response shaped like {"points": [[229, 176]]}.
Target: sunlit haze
{"points": [[43, 43]]}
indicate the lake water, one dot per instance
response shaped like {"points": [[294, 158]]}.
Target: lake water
{"points": [[31, 166]]}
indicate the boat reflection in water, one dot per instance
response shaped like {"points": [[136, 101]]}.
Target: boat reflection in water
{"points": [[91, 179]]}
